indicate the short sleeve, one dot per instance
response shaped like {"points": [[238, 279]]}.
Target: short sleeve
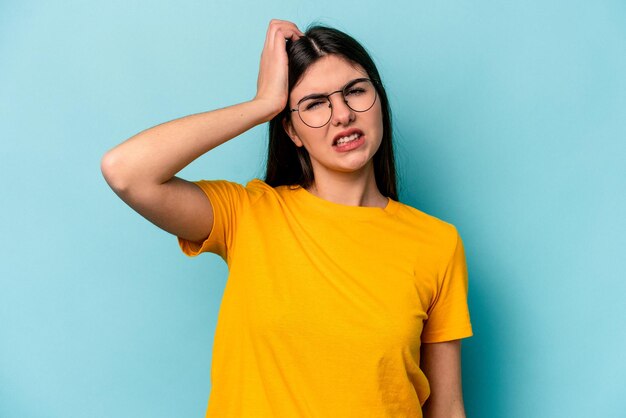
{"points": [[227, 199], [448, 314]]}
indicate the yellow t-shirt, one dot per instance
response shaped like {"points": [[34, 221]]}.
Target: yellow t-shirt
{"points": [[326, 305]]}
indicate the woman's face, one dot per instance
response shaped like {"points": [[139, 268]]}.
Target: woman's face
{"points": [[331, 73]]}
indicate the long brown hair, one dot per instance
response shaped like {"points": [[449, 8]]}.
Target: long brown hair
{"points": [[288, 164]]}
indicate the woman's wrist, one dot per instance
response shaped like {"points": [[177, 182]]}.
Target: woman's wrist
{"points": [[267, 109]]}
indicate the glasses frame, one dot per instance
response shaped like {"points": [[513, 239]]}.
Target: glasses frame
{"points": [[330, 104]]}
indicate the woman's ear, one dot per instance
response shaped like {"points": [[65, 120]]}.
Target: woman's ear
{"points": [[288, 127]]}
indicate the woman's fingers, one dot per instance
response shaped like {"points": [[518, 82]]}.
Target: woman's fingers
{"points": [[288, 30], [272, 83]]}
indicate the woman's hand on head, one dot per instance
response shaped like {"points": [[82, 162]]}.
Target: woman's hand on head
{"points": [[272, 83]]}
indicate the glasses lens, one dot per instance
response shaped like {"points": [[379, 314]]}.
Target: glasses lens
{"points": [[360, 95], [315, 112]]}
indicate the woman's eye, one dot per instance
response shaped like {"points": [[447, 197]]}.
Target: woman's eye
{"points": [[355, 91], [313, 105]]}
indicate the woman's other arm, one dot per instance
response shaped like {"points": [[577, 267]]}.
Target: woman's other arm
{"points": [[441, 363], [141, 170]]}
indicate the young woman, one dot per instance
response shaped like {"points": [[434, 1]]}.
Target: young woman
{"points": [[340, 301]]}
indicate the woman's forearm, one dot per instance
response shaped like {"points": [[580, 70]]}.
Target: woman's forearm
{"points": [[443, 411], [155, 155]]}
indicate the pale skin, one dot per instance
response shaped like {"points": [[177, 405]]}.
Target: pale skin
{"points": [[142, 170], [346, 178]]}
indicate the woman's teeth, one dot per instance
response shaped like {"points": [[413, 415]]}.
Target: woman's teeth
{"points": [[347, 139]]}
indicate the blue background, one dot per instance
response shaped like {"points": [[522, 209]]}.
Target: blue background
{"points": [[510, 123]]}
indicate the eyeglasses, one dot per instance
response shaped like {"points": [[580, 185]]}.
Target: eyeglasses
{"points": [[315, 110]]}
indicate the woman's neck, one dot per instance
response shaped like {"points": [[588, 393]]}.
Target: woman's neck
{"points": [[352, 189]]}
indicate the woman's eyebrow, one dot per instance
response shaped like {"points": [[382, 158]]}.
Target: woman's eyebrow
{"points": [[312, 96], [323, 95]]}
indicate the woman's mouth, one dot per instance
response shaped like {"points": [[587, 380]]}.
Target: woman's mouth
{"points": [[349, 142], [348, 138]]}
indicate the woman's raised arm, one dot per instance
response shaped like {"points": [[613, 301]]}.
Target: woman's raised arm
{"points": [[141, 170]]}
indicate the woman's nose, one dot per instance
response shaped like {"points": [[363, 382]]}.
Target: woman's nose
{"points": [[341, 111]]}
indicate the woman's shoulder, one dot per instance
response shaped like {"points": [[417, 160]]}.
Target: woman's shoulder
{"points": [[259, 186], [423, 222], [257, 189], [235, 190]]}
